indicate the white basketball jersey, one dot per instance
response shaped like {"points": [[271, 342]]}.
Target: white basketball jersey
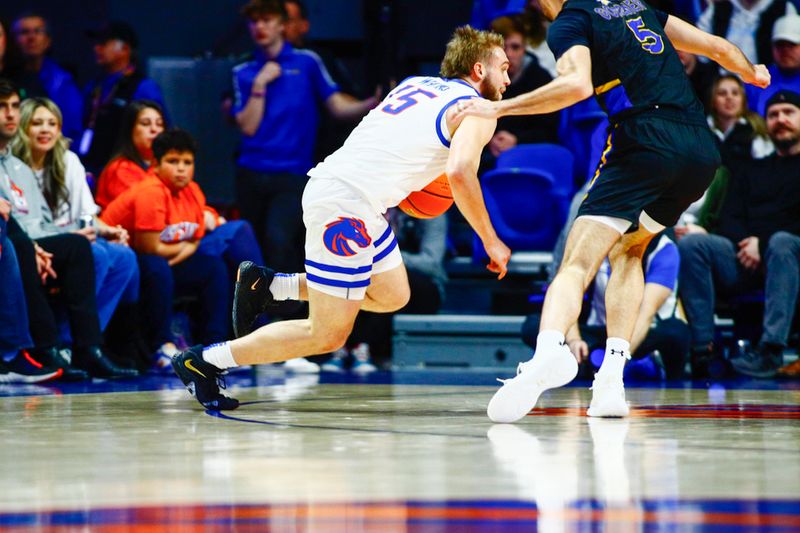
{"points": [[401, 145]]}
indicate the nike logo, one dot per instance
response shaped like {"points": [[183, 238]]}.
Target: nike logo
{"points": [[253, 286], [188, 364]]}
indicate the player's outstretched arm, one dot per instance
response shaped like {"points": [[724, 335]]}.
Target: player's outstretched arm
{"points": [[687, 38], [462, 171], [573, 84]]}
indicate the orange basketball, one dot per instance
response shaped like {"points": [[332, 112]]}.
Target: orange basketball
{"points": [[431, 201]]}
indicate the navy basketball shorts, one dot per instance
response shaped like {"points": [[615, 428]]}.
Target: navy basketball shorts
{"points": [[653, 164], [347, 242]]}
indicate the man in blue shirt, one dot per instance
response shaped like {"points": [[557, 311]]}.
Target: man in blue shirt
{"points": [[43, 76], [107, 97], [276, 107], [786, 69]]}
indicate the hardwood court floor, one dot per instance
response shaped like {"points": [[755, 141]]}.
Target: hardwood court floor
{"points": [[408, 451]]}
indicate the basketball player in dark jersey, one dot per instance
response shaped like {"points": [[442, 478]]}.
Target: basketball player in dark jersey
{"points": [[660, 157]]}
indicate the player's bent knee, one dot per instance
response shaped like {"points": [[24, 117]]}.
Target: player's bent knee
{"points": [[332, 340]]}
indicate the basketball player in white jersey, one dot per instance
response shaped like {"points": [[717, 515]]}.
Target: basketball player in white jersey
{"points": [[352, 258]]}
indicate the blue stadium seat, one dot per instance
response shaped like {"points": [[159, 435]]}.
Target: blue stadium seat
{"points": [[553, 158], [578, 123], [527, 196]]}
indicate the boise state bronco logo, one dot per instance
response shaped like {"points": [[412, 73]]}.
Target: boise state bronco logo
{"points": [[338, 232]]}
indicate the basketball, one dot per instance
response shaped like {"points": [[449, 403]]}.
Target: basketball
{"points": [[431, 201]]}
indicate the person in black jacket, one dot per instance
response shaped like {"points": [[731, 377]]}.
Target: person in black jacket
{"points": [[757, 243], [526, 75]]}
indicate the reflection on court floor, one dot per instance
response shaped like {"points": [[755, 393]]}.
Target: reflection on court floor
{"points": [[406, 451]]}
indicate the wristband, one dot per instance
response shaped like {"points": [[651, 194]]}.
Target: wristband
{"points": [[258, 94]]}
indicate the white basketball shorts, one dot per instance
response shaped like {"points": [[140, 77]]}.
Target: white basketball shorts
{"points": [[346, 240]]}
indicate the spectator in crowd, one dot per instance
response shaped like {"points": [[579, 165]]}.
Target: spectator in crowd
{"points": [[786, 70], [660, 327], [423, 244], [701, 74], [123, 81], [760, 218], [526, 75], [182, 243], [276, 98], [741, 132], [52, 258], [746, 23], [44, 77], [537, 25], [11, 62], [133, 158], [16, 364], [62, 181], [332, 132]]}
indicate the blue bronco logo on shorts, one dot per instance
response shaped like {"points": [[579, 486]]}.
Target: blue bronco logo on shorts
{"points": [[338, 232]]}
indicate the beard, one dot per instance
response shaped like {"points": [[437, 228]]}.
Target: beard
{"points": [[784, 143], [489, 91]]}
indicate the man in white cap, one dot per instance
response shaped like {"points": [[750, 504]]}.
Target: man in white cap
{"points": [[786, 69]]}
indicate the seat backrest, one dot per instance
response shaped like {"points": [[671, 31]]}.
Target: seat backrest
{"points": [[553, 159], [597, 146], [525, 207]]}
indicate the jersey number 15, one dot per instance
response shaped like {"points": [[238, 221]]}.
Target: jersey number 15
{"points": [[404, 98], [650, 40]]}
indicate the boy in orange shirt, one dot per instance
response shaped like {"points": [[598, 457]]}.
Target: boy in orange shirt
{"points": [[183, 245]]}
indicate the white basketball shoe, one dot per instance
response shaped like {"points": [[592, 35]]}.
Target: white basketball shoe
{"points": [[518, 395], [608, 397]]}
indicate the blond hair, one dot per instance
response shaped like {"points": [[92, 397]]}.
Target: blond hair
{"points": [[467, 47], [54, 186]]}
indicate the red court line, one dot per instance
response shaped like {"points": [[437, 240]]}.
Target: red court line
{"points": [[193, 517]]}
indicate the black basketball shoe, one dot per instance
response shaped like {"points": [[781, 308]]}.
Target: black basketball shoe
{"points": [[203, 380], [251, 296]]}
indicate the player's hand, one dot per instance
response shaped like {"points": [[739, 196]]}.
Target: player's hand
{"points": [[748, 254], [761, 77], [499, 254], [476, 107]]}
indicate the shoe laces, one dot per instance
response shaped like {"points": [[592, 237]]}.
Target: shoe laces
{"points": [[520, 369], [221, 383]]}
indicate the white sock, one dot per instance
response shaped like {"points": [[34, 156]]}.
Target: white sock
{"points": [[618, 351], [549, 340], [219, 355], [285, 287]]}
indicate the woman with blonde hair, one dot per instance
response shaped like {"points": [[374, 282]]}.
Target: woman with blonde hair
{"points": [[62, 179], [741, 132]]}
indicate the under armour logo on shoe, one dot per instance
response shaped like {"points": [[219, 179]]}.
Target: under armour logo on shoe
{"points": [[617, 352]]}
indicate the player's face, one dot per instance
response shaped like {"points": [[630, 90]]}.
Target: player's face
{"points": [[265, 30], [783, 125], [728, 99], [43, 130], [176, 169], [496, 77], [515, 51], [148, 125], [786, 55]]}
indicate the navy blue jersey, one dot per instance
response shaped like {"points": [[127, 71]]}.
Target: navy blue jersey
{"points": [[634, 65]]}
